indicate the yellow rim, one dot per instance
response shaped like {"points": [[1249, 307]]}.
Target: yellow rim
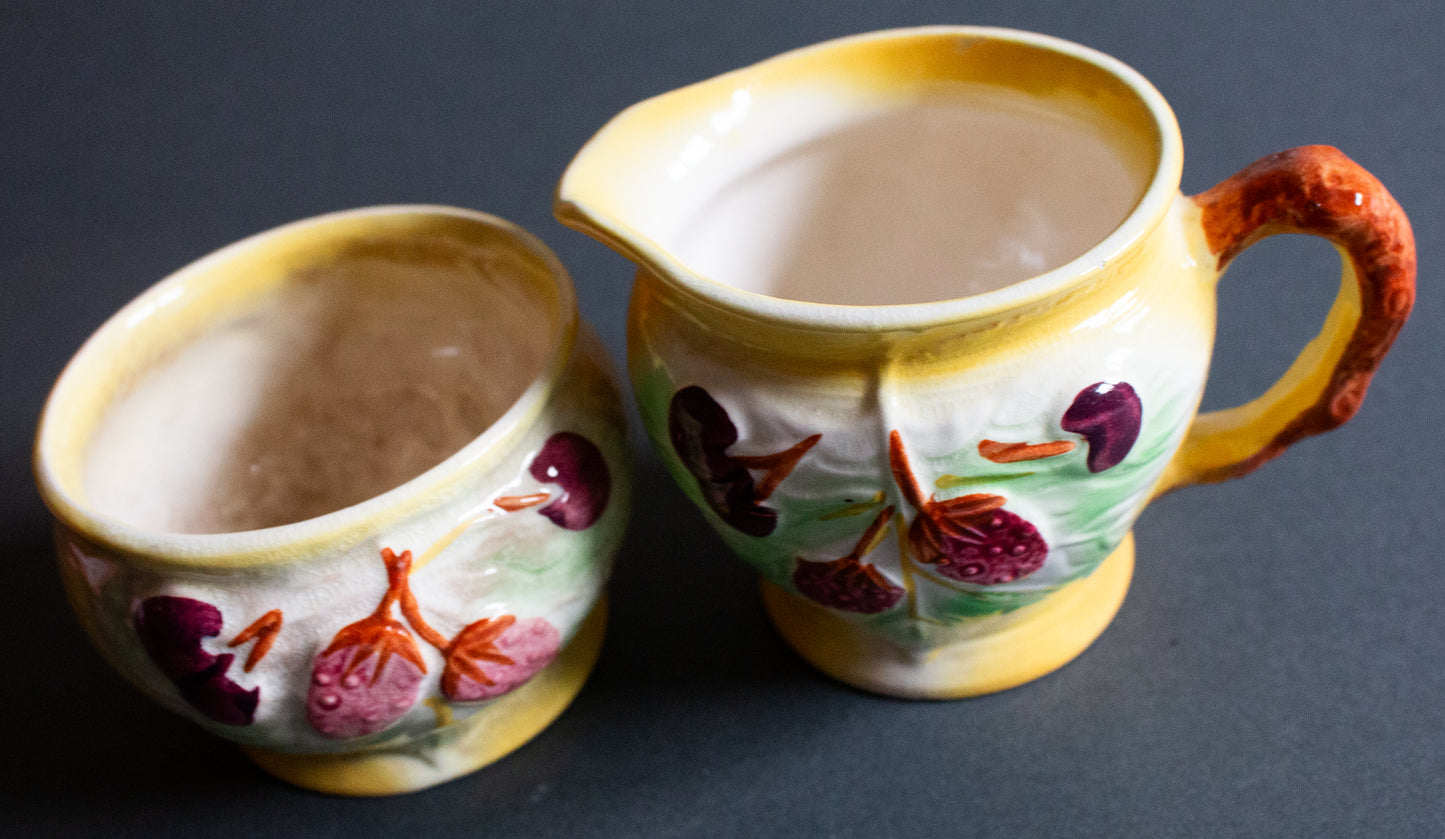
{"points": [[597, 179], [206, 290]]}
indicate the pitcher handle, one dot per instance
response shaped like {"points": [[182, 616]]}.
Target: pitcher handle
{"points": [[1320, 191]]}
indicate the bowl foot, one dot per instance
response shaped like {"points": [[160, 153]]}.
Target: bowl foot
{"points": [[995, 653], [488, 735]]}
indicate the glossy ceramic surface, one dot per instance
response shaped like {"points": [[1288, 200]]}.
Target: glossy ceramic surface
{"points": [[398, 642], [939, 495]]}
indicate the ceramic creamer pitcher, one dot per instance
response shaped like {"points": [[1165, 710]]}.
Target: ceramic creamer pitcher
{"points": [[922, 323]]}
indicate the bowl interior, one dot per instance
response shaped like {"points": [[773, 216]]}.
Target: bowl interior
{"points": [[303, 371]]}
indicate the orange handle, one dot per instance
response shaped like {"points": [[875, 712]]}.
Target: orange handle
{"points": [[1316, 190]]}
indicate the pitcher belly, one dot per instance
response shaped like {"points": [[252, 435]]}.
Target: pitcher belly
{"points": [[917, 494]]}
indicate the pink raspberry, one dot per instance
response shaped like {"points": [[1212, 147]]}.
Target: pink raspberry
{"points": [[495, 656], [362, 688]]}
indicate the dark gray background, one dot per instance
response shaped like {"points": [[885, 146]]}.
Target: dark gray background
{"points": [[1276, 670]]}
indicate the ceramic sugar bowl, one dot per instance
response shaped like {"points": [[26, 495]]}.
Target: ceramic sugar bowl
{"points": [[922, 323], [347, 493]]}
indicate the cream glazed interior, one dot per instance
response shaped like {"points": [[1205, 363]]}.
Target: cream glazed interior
{"points": [[904, 201], [342, 382]]}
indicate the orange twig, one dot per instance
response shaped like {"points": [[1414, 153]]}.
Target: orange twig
{"points": [[1016, 452], [264, 630]]}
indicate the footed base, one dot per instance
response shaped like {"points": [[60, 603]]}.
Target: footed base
{"points": [[997, 653], [490, 734]]}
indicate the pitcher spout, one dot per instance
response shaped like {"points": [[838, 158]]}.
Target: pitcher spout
{"points": [[890, 181], [632, 186]]}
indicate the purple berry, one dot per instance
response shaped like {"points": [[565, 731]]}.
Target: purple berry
{"points": [[985, 548], [574, 463], [970, 538], [1109, 415], [846, 584]]}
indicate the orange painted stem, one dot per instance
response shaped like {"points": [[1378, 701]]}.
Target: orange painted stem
{"points": [[902, 473], [997, 452], [776, 467], [264, 630], [512, 503], [412, 612], [873, 535]]}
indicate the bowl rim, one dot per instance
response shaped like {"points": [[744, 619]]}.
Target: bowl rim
{"points": [[330, 531]]}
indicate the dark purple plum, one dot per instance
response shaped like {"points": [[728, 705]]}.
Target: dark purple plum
{"points": [[574, 463], [171, 629], [849, 583], [701, 432], [1109, 415], [982, 548], [219, 698]]}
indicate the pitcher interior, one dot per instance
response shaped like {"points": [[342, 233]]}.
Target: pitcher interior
{"points": [[945, 197], [344, 380], [890, 169]]}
